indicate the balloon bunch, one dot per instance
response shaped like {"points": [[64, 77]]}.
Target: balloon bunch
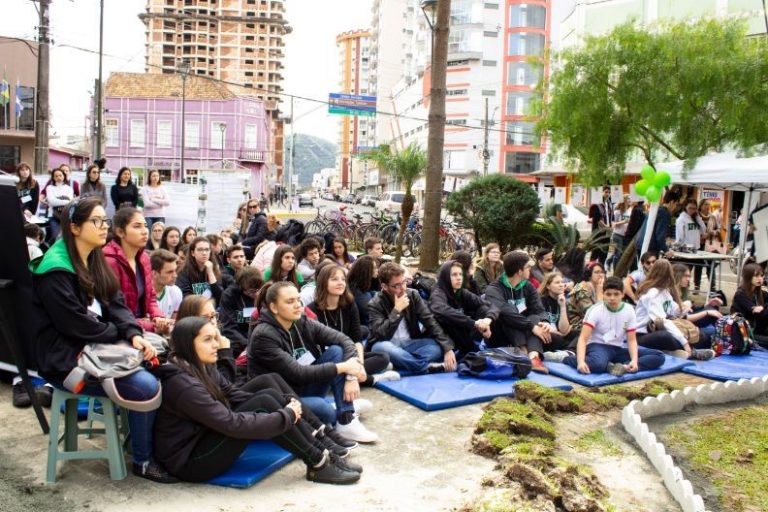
{"points": [[652, 183]]}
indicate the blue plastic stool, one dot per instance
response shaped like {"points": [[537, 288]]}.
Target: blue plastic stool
{"points": [[113, 451]]}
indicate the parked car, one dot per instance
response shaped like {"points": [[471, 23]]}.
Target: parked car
{"points": [[392, 202], [351, 199], [368, 200], [329, 196], [305, 199]]}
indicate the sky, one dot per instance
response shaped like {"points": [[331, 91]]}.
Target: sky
{"points": [[310, 64]]}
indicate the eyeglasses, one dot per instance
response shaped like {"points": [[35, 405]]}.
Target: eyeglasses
{"points": [[252, 206], [397, 286], [202, 249], [99, 222]]}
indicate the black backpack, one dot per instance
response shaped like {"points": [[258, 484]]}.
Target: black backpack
{"points": [[423, 284], [496, 363]]}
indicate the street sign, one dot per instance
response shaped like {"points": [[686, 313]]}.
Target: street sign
{"points": [[351, 104]]}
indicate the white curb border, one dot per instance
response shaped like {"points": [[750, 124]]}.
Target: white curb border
{"points": [[669, 403]]}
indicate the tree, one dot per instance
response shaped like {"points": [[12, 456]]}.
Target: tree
{"points": [[673, 91], [498, 208], [406, 167]]}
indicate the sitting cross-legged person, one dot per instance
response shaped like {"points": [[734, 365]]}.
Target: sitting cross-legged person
{"points": [[311, 357], [402, 326], [523, 322], [465, 317], [608, 343]]}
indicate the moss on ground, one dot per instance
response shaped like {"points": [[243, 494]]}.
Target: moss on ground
{"points": [[520, 434], [596, 440], [733, 459]]}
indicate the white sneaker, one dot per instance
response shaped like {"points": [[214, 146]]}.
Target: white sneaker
{"points": [[362, 406], [356, 431], [388, 375], [389, 367], [557, 356]]}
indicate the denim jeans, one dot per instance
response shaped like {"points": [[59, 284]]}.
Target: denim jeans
{"points": [[332, 354], [140, 386], [411, 357], [600, 354]]}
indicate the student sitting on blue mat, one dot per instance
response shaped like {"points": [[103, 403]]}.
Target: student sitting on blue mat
{"points": [[552, 291], [749, 300], [464, 317], [311, 357], [205, 422], [523, 322], [403, 327], [607, 343]]}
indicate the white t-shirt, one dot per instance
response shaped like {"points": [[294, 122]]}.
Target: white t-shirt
{"points": [[610, 327], [170, 300], [688, 231], [637, 276], [655, 304], [401, 334]]}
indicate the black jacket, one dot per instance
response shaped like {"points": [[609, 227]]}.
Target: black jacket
{"points": [[189, 411], [196, 285], [345, 320], [362, 299], [273, 349], [743, 304], [234, 325], [122, 195], [63, 322], [636, 219], [501, 295], [384, 320], [457, 309], [257, 230]]}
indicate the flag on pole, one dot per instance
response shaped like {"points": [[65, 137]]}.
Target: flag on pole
{"points": [[19, 106], [5, 89]]}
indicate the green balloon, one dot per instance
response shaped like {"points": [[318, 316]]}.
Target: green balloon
{"points": [[648, 173], [662, 179], [641, 187], [653, 193]]}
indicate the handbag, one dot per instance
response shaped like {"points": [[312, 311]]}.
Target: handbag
{"points": [[496, 363]]}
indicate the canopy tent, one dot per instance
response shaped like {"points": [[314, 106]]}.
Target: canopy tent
{"points": [[728, 172]]}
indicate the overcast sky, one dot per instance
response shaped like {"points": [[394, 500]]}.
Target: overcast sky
{"points": [[311, 64]]}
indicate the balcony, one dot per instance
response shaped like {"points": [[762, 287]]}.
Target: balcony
{"points": [[247, 155]]}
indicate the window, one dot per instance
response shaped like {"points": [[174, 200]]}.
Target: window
{"points": [[251, 135], [138, 133], [518, 103], [192, 134], [164, 134], [9, 157], [521, 133], [218, 136], [521, 163], [522, 73], [526, 44], [526, 15], [26, 120], [111, 133]]}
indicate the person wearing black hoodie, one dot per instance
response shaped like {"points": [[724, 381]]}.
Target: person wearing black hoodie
{"points": [[311, 357], [465, 317], [523, 321], [258, 228], [205, 422], [237, 304]]}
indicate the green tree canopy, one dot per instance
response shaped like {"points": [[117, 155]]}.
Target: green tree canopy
{"points": [[673, 91], [498, 208]]}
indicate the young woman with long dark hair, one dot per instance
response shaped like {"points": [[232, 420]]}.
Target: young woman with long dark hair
{"points": [[124, 192], [56, 195], [205, 422], [341, 253], [749, 300], [200, 275], [189, 234], [171, 239], [155, 198], [77, 302], [92, 186], [335, 307], [364, 284], [126, 255], [28, 189], [283, 267], [490, 267]]}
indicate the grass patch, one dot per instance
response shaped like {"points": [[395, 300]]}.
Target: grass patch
{"points": [[730, 452], [597, 440]]}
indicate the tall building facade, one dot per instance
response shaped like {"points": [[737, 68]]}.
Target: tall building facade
{"points": [[238, 41], [527, 29], [355, 132]]}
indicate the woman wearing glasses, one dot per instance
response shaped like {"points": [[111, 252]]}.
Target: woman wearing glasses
{"points": [[129, 261], [78, 301], [258, 229], [200, 274]]}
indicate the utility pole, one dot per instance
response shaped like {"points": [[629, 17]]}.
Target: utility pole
{"points": [[43, 67], [430, 251], [183, 68], [99, 93], [486, 153], [290, 165]]}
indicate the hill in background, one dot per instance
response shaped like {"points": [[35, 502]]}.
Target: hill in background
{"points": [[311, 155]]}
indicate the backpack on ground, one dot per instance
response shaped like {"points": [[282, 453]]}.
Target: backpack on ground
{"points": [[496, 363], [733, 336], [423, 284]]}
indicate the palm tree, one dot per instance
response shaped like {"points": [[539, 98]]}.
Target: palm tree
{"points": [[406, 167]]}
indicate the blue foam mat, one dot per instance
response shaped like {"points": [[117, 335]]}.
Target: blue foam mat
{"points": [[732, 367], [671, 365], [259, 460], [445, 390]]}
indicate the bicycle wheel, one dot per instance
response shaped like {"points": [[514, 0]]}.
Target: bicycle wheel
{"points": [[447, 247], [415, 245], [314, 227], [335, 228]]}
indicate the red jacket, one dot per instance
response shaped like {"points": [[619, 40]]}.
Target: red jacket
{"points": [[127, 279]]}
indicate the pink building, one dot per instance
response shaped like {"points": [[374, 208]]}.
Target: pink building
{"points": [[74, 158], [224, 127]]}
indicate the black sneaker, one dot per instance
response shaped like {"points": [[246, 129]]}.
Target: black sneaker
{"points": [[346, 464], [151, 470], [20, 396], [435, 368], [340, 440], [331, 473], [328, 444], [44, 395]]}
